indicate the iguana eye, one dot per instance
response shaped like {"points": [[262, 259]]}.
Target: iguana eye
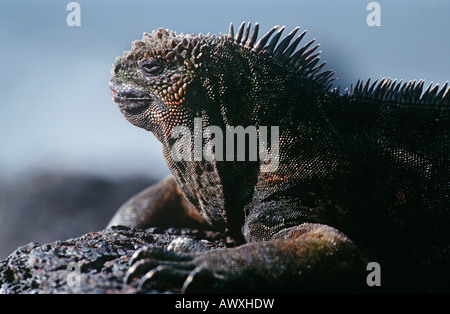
{"points": [[151, 67], [117, 68]]}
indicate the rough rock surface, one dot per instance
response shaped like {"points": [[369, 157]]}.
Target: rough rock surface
{"points": [[101, 260]]}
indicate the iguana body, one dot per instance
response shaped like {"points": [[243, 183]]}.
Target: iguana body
{"points": [[370, 165]]}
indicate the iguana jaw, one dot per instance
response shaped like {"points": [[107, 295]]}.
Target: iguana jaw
{"points": [[139, 107], [129, 98]]}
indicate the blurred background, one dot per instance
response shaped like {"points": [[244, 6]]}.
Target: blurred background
{"points": [[68, 159]]}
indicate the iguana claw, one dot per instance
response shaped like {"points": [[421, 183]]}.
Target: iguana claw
{"points": [[162, 270], [156, 267]]}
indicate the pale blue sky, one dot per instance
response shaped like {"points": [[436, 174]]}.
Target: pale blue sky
{"points": [[55, 106]]}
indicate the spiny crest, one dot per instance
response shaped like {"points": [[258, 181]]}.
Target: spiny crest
{"points": [[170, 45], [407, 93], [303, 60]]}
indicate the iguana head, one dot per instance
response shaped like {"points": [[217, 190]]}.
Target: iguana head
{"points": [[150, 81]]}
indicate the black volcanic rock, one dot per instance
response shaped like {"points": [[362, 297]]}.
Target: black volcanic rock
{"points": [[101, 260]]}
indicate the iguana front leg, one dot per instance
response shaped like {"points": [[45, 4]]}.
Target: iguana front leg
{"points": [[305, 258], [160, 205]]}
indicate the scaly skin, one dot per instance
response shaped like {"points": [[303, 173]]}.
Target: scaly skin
{"points": [[370, 165]]}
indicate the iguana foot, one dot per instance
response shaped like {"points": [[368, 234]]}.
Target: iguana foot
{"points": [[161, 269], [317, 262]]}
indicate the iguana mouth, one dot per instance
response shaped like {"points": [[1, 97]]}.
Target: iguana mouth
{"points": [[128, 98]]}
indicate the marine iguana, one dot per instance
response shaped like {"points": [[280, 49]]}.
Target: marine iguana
{"points": [[363, 175]]}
